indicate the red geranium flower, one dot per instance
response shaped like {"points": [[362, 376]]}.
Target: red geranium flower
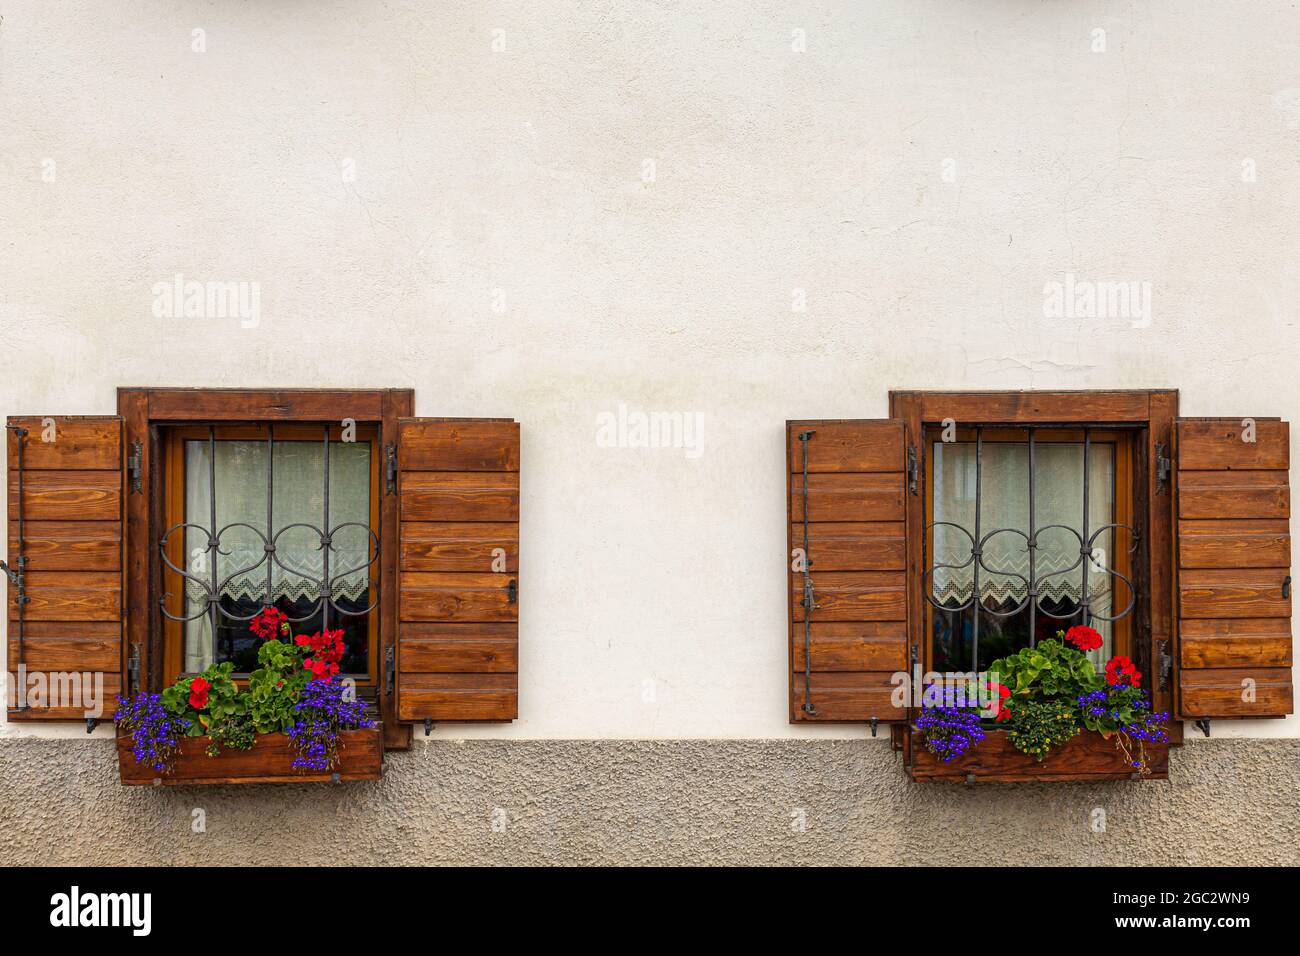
{"points": [[199, 693], [1000, 712], [1122, 672], [269, 623], [1083, 637], [326, 651]]}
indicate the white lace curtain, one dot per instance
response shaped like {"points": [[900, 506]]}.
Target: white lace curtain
{"points": [[299, 495], [1004, 503]]}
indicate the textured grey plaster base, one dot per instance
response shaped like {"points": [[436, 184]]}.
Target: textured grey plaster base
{"points": [[654, 802]]}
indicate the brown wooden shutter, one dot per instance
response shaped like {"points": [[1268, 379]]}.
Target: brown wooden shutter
{"points": [[65, 527], [458, 503], [1234, 566], [857, 540]]}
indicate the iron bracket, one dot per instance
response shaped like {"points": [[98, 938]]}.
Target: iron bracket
{"points": [[512, 592], [875, 724], [133, 669], [913, 470], [1163, 467], [428, 726], [135, 467], [1203, 725], [390, 668], [91, 724], [1286, 588], [1166, 662], [390, 456]]}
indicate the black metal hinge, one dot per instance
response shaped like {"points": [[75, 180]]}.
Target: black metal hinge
{"points": [[1163, 467], [390, 669], [390, 454], [1166, 665], [913, 470], [135, 467], [133, 669], [512, 592]]}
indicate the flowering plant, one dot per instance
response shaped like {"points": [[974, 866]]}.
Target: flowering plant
{"points": [[292, 691], [950, 731], [1048, 670]]}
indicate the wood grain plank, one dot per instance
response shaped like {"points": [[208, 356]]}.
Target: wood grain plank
{"points": [[68, 646], [437, 648], [69, 545], [1234, 544], [1087, 756], [1234, 494], [69, 696], [71, 596], [459, 496], [849, 497], [874, 445], [1245, 642], [458, 445], [853, 646], [250, 404], [361, 757], [459, 545], [1219, 443], [440, 596], [79, 442], [844, 695], [459, 697], [1228, 692], [67, 495], [854, 545], [854, 596], [1232, 593], [1033, 407]]}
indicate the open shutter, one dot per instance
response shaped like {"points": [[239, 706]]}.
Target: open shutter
{"points": [[1234, 557], [65, 559], [848, 604], [458, 504]]}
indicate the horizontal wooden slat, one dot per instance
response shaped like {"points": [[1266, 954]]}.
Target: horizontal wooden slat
{"points": [[852, 497], [1218, 443], [65, 696], [69, 545], [270, 760], [1086, 756], [281, 405], [849, 446], [1233, 494], [458, 648], [1244, 592], [67, 495], [459, 496], [1223, 692], [68, 646], [1246, 642], [854, 596], [1034, 407], [458, 696], [845, 695], [854, 545], [79, 443], [451, 445], [430, 596], [853, 646], [71, 596], [459, 545], [1234, 544]]}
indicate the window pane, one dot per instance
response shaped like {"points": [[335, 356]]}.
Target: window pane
{"points": [[1004, 570], [244, 569]]}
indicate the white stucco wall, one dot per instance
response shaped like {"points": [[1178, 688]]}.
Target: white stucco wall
{"points": [[516, 179]]}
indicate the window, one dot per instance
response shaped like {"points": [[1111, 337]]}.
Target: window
{"points": [[1030, 531], [283, 533]]}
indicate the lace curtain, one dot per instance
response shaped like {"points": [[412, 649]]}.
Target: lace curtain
{"points": [[299, 494], [1004, 503]]}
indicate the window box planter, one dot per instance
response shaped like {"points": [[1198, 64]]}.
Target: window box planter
{"points": [[361, 757], [1087, 756]]}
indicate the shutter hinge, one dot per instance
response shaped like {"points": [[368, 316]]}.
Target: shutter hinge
{"points": [[390, 454], [512, 592], [133, 669], [135, 467], [1203, 725], [1163, 467], [913, 470], [390, 669], [1166, 665]]}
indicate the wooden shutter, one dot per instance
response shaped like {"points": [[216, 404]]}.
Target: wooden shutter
{"points": [[458, 504], [69, 494], [857, 553], [1234, 557]]}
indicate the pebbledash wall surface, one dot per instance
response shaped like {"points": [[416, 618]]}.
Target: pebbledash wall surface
{"points": [[742, 213]]}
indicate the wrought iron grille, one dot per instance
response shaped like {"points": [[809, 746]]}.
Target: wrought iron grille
{"points": [[1034, 580], [213, 585]]}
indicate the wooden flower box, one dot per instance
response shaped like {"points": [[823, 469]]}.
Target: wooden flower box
{"points": [[361, 757], [1087, 756]]}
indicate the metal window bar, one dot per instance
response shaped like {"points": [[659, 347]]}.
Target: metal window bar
{"points": [[215, 584], [978, 539]]}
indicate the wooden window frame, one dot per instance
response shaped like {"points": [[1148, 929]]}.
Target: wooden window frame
{"points": [[1152, 410], [145, 410]]}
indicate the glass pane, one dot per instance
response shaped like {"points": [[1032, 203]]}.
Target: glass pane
{"points": [[1004, 571], [245, 572]]}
